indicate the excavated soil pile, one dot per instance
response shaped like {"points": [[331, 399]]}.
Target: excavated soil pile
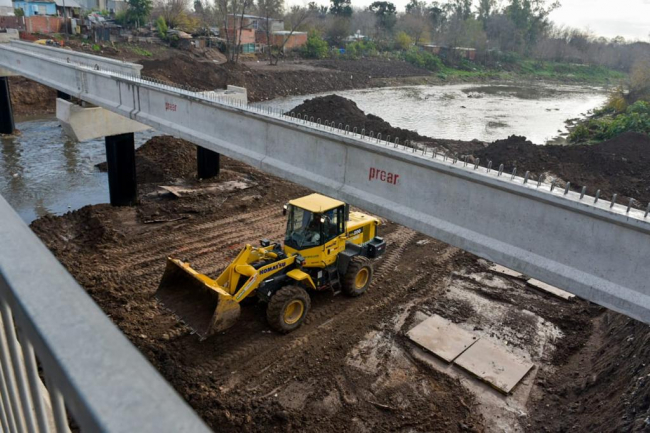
{"points": [[374, 68], [338, 109], [163, 159], [607, 387], [619, 165], [29, 97]]}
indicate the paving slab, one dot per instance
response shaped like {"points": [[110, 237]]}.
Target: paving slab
{"points": [[442, 337], [506, 271], [550, 289], [492, 364]]}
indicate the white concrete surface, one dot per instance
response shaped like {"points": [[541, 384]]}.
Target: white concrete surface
{"points": [[87, 123], [592, 250]]}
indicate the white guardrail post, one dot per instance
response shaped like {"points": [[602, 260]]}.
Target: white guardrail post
{"points": [[51, 331]]}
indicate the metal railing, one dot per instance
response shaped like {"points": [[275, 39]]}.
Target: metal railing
{"points": [[62, 362]]}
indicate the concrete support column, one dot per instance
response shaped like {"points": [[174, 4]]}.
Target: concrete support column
{"points": [[7, 125], [207, 163], [120, 158]]}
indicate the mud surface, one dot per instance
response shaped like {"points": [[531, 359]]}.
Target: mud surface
{"points": [[616, 166], [350, 367]]}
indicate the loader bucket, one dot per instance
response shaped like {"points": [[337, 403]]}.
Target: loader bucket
{"points": [[196, 299]]}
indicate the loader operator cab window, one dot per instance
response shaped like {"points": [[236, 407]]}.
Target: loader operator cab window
{"points": [[306, 229], [303, 229]]}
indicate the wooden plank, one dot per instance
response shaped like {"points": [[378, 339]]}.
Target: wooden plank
{"points": [[550, 289]]}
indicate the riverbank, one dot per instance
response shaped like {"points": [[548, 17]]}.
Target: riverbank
{"points": [[205, 69]]}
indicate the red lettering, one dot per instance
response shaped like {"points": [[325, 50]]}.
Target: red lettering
{"points": [[383, 176]]}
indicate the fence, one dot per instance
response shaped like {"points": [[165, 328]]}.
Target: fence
{"points": [[62, 362], [44, 24]]}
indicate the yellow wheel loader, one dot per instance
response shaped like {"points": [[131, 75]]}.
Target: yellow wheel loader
{"points": [[325, 247]]}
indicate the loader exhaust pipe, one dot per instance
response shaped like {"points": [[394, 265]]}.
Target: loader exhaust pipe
{"points": [[196, 299]]}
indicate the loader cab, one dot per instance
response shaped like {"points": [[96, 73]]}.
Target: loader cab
{"points": [[315, 224]]}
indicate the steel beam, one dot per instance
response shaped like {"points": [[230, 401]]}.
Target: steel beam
{"points": [[596, 250]]}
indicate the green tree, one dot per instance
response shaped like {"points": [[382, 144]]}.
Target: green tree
{"points": [[316, 47], [485, 9], [161, 27], [386, 14], [139, 10], [530, 18], [403, 41], [341, 8]]}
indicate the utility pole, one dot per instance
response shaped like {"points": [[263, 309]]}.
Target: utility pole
{"points": [[65, 22]]}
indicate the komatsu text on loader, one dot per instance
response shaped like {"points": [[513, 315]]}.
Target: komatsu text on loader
{"points": [[325, 247]]}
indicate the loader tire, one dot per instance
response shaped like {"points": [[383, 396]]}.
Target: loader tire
{"points": [[358, 277], [287, 308]]}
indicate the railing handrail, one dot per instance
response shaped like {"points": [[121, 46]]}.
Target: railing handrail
{"points": [[106, 383]]}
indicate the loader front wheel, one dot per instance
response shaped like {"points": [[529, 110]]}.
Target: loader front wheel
{"points": [[287, 308], [358, 277]]}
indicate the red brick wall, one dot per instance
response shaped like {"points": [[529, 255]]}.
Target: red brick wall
{"points": [[44, 24], [12, 23]]}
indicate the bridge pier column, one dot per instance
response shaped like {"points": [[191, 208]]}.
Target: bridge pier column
{"points": [[207, 163], [7, 125], [120, 158]]}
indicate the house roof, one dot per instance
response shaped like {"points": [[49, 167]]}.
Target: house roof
{"points": [[68, 3]]}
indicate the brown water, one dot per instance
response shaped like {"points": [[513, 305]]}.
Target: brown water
{"points": [[470, 111]]}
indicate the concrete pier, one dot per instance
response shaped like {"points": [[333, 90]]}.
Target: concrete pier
{"points": [[7, 125], [120, 158], [207, 163]]}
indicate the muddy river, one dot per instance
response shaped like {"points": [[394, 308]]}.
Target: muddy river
{"points": [[41, 171], [469, 111]]}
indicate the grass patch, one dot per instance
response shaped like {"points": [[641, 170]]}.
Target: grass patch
{"points": [[139, 51]]}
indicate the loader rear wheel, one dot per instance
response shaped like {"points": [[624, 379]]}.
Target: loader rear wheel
{"points": [[287, 308], [358, 277]]}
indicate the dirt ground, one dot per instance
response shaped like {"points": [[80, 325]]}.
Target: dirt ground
{"points": [[205, 69], [350, 367], [616, 166]]}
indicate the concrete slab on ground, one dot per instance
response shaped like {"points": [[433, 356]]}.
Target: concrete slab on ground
{"points": [[493, 365], [506, 271], [442, 338], [550, 289]]}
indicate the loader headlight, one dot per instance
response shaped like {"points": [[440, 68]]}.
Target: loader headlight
{"points": [[300, 260], [284, 209]]}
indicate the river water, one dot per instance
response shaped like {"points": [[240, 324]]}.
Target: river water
{"points": [[43, 172]]}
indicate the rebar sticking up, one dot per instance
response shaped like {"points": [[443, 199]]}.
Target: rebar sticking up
{"points": [[613, 201]]}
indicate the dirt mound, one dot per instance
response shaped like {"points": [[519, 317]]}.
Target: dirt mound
{"points": [[163, 159], [374, 68], [616, 166], [334, 108], [29, 97]]}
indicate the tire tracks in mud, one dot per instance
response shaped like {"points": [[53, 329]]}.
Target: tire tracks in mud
{"points": [[321, 314]]}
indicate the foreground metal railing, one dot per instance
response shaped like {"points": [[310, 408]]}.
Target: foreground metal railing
{"points": [[62, 362]]}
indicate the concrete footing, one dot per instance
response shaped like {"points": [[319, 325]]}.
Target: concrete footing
{"points": [[207, 163], [7, 125], [120, 158]]}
